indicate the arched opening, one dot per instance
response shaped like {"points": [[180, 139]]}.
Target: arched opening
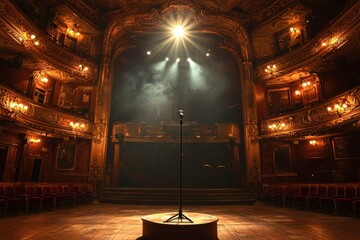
{"points": [[151, 82]]}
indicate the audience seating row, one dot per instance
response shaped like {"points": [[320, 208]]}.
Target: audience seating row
{"points": [[18, 197], [334, 198]]}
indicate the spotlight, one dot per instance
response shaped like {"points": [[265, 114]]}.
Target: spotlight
{"points": [[207, 54], [178, 60], [148, 52], [167, 59], [188, 59], [178, 31]]}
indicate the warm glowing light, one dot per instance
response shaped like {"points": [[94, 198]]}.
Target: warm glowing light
{"points": [[292, 30], [33, 140], [33, 36], [271, 68], [178, 31], [77, 126], [83, 68], [341, 107], [17, 107], [276, 126], [297, 93], [334, 40], [148, 52], [323, 44], [44, 79], [72, 32], [313, 142], [207, 54], [36, 43]]}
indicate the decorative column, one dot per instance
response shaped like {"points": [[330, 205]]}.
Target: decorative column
{"points": [[251, 141], [102, 112]]}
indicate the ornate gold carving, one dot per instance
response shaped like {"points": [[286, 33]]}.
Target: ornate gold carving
{"points": [[169, 131], [253, 133], [39, 117], [316, 118], [21, 28], [310, 53], [99, 129]]}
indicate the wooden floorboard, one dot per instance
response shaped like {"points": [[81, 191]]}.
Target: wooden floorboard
{"points": [[123, 222]]}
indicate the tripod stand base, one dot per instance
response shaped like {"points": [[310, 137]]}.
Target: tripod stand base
{"points": [[167, 226], [179, 217]]}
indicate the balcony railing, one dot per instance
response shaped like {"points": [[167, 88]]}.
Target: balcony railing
{"points": [[338, 111], [25, 112], [169, 132]]}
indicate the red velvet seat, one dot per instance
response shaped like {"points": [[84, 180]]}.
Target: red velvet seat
{"points": [[327, 202], [356, 205], [72, 195], [19, 189], [34, 200], [277, 195], [60, 198], [47, 197], [13, 202], [313, 200], [88, 192], [79, 195], [289, 196], [267, 191], [300, 199], [344, 204], [356, 201], [2, 200]]}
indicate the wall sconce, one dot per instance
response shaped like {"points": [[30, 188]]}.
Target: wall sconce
{"points": [[33, 140], [77, 126], [17, 107], [313, 142], [83, 68], [333, 41], [72, 32], [276, 126], [294, 31], [271, 69], [342, 107], [36, 42], [304, 83], [40, 76]]}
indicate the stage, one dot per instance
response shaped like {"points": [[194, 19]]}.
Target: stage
{"points": [[203, 226]]}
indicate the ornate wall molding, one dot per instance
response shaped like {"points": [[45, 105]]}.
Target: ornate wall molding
{"points": [[338, 111]]}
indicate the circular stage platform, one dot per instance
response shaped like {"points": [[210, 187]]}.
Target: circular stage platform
{"points": [[204, 227]]}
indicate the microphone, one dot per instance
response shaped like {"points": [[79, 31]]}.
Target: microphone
{"points": [[181, 113]]}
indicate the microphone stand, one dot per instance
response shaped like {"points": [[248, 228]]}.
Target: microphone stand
{"points": [[180, 216]]}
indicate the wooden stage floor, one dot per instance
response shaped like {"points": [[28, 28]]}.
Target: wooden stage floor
{"points": [[112, 221]]}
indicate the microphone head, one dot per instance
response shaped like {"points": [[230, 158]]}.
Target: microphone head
{"points": [[181, 113]]}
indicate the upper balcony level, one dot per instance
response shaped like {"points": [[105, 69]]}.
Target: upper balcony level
{"points": [[323, 119], [63, 53], [28, 114]]}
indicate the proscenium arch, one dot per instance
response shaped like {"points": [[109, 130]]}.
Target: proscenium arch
{"points": [[116, 40]]}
